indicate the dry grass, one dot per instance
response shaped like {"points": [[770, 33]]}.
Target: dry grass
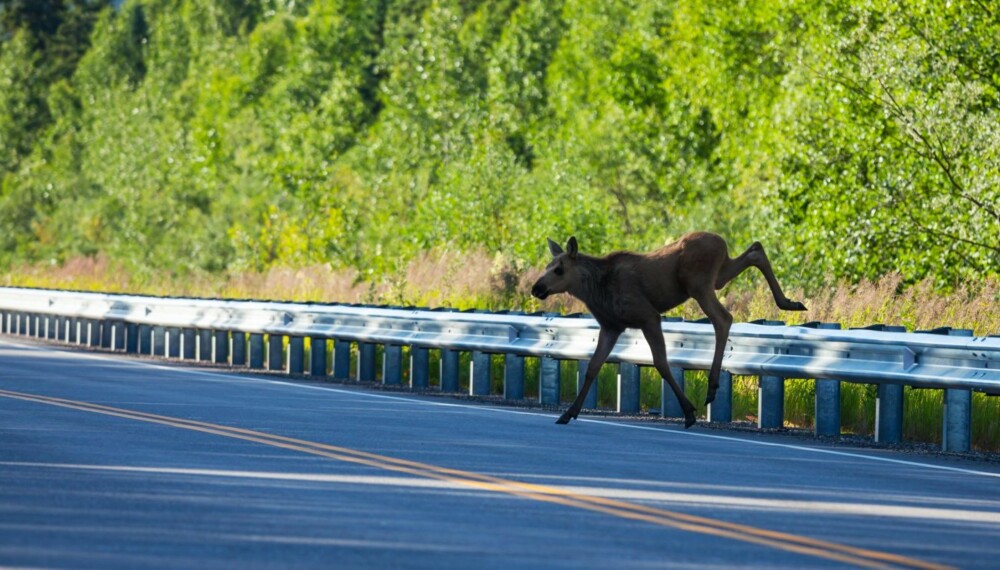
{"points": [[492, 282]]}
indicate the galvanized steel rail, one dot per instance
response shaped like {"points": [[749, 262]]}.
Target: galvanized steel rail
{"points": [[234, 333]]}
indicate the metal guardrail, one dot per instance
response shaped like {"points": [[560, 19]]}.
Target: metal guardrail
{"points": [[233, 332]]}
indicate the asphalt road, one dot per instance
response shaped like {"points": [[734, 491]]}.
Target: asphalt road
{"points": [[113, 462]]}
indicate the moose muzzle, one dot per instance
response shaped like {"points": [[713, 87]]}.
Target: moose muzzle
{"points": [[540, 291]]}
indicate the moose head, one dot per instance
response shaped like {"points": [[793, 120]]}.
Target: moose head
{"points": [[560, 273]]}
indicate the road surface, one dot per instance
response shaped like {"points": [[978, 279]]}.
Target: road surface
{"points": [[115, 462]]}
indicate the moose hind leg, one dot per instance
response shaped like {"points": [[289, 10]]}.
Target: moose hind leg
{"points": [[654, 336], [721, 320], [756, 257]]}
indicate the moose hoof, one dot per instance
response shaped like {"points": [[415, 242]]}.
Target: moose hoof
{"points": [[689, 420], [797, 306], [565, 418], [710, 397]]}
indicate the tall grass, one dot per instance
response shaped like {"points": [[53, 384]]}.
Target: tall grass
{"points": [[490, 282]]}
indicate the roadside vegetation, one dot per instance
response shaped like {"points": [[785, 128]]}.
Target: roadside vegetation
{"points": [[420, 152]]}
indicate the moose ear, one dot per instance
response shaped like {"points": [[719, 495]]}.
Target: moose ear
{"points": [[571, 247], [554, 248]]}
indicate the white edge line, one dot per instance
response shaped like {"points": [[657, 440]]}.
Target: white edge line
{"points": [[416, 400]]}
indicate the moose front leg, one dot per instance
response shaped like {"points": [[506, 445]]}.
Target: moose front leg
{"points": [[606, 340]]}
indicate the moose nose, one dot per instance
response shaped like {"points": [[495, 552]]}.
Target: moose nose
{"points": [[539, 291]]}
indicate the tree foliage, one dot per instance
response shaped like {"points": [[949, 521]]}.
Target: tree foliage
{"points": [[855, 137]]}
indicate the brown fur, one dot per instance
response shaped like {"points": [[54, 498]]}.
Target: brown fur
{"points": [[630, 290]]}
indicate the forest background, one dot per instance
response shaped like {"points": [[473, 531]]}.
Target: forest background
{"points": [[420, 152]]}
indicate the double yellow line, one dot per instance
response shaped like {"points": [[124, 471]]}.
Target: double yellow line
{"points": [[858, 557]]}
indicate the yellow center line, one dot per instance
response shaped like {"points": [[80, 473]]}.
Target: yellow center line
{"points": [[543, 493]]}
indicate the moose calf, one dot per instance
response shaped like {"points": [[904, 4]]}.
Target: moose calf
{"points": [[631, 290]]}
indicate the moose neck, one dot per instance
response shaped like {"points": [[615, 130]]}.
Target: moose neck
{"points": [[592, 287]]}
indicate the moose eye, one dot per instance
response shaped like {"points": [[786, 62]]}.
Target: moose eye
{"points": [[559, 270]]}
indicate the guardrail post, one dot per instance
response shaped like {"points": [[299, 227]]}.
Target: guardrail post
{"points": [[342, 359], [827, 405], [238, 348], [275, 352], [256, 351], [51, 327], [145, 337], [590, 400], [888, 401], [159, 340], [205, 345], [449, 370], [97, 332], [173, 342], [220, 347], [548, 381], [479, 374], [770, 402], [628, 388], [670, 406], [392, 365], [889, 413], [513, 377], [721, 410], [366, 362], [317, 356], [32, 324], [419, 367], [188, 343], [117, 335], [956, 427], [770, 394], [296, 355], [106, 336], [131, 338]]}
